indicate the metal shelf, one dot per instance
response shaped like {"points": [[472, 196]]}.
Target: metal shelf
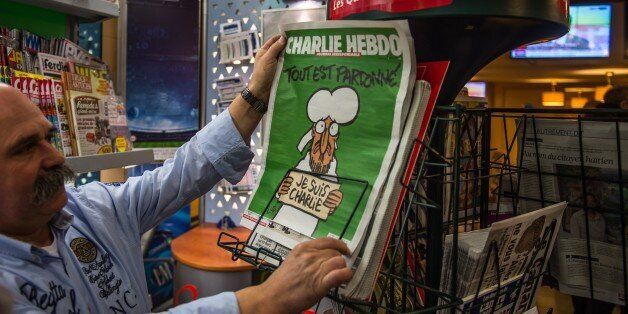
{"points": [[92, 10], [108, 161]]}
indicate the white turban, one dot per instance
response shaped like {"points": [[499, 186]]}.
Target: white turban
{"points": [[341, 105]]}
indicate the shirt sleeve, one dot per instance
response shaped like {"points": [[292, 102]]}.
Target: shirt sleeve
{"points": [[225, 302], [216, 152]]}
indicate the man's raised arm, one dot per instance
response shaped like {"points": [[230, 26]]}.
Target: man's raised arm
{"points": [[220, 150]]}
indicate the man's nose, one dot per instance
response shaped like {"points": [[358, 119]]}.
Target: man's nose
{"points": [[52, 157]]}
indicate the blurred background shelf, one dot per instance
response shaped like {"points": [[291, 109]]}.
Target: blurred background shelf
{"points": [[108, 161]]}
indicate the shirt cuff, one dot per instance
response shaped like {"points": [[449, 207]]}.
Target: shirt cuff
{"points": [[224, 147], [225, 302]]}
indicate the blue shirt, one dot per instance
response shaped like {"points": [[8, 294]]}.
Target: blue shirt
{"points": [[99, 268]]}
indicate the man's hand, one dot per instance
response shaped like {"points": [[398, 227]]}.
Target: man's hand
{"points": [[244, 116], [308, 273], [265, 67], [285, 186]]}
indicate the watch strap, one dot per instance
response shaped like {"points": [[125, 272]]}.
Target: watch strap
{"points": [[256, 103]]}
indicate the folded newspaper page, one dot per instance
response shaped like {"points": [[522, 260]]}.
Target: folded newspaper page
{"points": [[430, 76], [335, 118], [375, 243], [558, 144], [524, 244]]}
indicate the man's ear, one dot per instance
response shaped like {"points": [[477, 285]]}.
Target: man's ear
{"points": [[307, 137]]}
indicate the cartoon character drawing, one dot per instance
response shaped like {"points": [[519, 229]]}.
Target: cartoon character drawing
{"points": [[327, 110]]}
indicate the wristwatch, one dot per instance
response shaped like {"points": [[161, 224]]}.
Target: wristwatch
{"points": [[257, 104]]}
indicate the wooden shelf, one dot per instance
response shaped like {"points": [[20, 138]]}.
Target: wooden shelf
{"points": [[108, 161], [92, 10], [198, 249]]}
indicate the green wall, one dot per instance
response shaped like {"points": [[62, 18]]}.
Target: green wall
{"points": [[39, 21]]}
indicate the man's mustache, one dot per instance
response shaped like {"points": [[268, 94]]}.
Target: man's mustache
{"points": [[48, 184]]}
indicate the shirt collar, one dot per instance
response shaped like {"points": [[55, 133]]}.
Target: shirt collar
{"points": [[24, 251], [62, 220]]}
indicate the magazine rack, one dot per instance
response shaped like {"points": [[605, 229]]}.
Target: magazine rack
{"points": [[517, 123], [402, 284], [469, 34], [258, 256], [531, 276]]}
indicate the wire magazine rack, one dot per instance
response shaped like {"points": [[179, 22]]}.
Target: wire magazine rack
{"points": [[518, 132], [458, 183]]}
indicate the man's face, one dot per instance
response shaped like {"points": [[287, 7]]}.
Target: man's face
{"points": [[325, 135], [30, 167]]}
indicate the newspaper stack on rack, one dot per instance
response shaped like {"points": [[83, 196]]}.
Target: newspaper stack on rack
{"points": [[565, 152], [337, 140], [522, 245]]}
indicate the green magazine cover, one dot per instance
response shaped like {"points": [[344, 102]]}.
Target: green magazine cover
{"points": [[335, 118]]}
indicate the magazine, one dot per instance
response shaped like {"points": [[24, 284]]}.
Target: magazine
{"points": [[521, 245], [469, 145], [558, 146], [88, 115], [331, 142], [39, 90], [246, 185], [64, 124], [51, 65]]}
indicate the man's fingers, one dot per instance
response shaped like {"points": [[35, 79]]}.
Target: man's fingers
{"points": [[336, 278], [262, 51], [270, 42], [276, 48], [336, 262], [329, 243]]}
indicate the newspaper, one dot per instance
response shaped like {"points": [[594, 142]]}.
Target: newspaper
{"points": [[343, 88], [558, 153], [521, 245]]}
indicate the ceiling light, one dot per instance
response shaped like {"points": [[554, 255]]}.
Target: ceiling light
{"points": [[579, 102], [601, 71], [553, 98]]}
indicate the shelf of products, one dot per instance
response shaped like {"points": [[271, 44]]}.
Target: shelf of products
{"points": [[108, 161], [93, 10]]}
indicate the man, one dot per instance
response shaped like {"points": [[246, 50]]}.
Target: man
{"points": [[78, 249], [616, 97]]}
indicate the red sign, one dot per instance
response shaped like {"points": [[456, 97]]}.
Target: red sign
{"points": [[339, 9]]}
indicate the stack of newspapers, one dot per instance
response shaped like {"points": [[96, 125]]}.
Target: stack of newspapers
{"points": [[346, 106], [513, 252]]}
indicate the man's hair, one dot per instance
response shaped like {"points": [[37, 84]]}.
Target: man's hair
{"points": [[615, 96]]}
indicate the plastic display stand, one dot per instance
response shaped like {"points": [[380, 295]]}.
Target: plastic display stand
{"points": [[469, 33]]}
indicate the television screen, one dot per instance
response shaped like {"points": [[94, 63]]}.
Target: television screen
{"points": [[588, 37], [162, 76], [476, 89]]}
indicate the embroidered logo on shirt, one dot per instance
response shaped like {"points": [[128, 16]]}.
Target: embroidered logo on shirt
{"points": [[84, 250], [48, 299]]}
